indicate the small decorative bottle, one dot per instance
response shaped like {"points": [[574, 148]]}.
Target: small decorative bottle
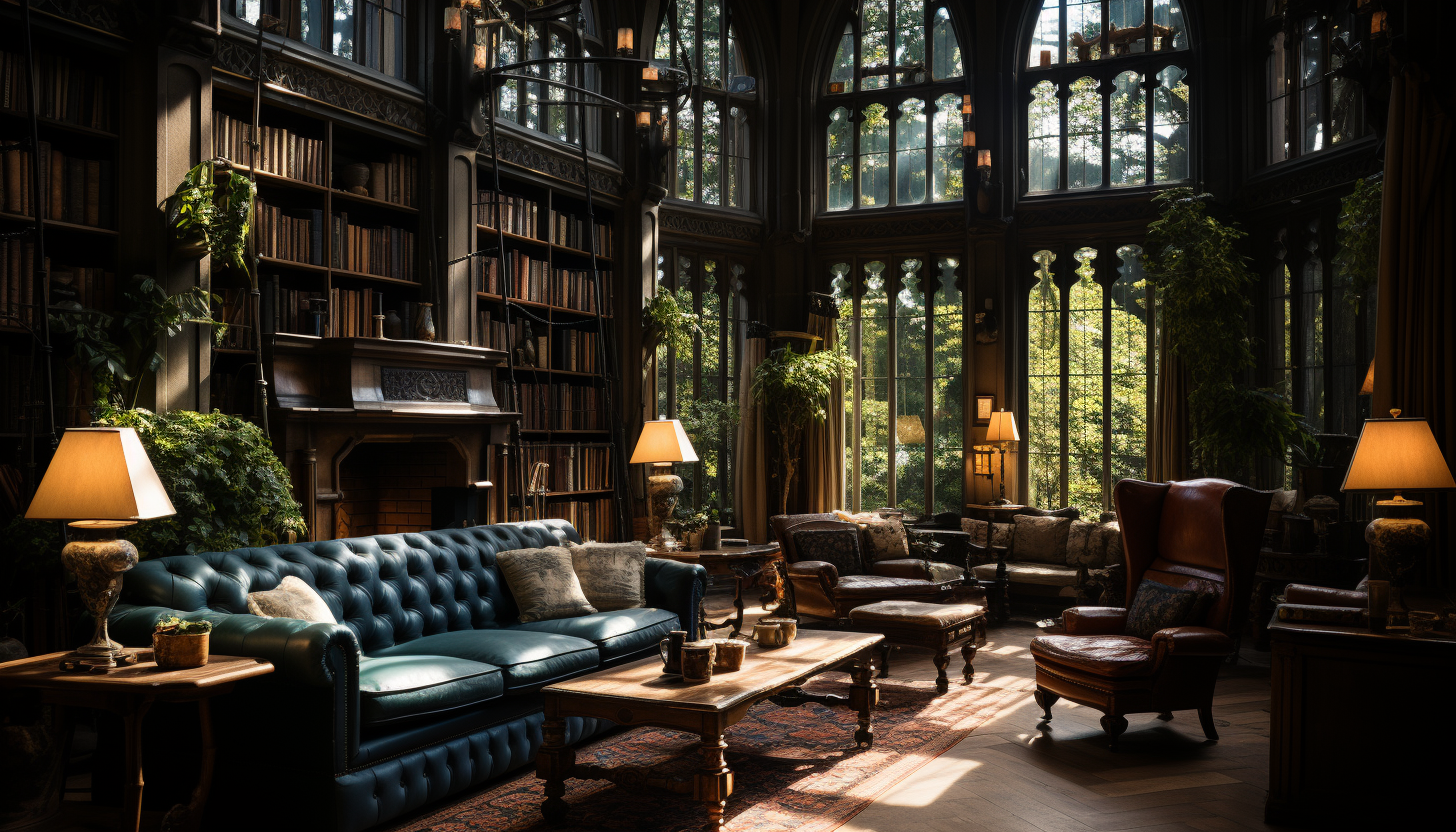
{"points": [[393, 325], [425, 323]]}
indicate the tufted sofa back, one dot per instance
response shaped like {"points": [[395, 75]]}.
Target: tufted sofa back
{"points": [[388, 589]]}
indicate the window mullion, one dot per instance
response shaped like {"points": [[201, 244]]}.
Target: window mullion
{"points": [[855, 341], [1108, 273], [1064, 369], [891, 383], [929, 417]]}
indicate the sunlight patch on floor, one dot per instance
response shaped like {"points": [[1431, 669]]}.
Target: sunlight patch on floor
{"points": [[927, 785]]}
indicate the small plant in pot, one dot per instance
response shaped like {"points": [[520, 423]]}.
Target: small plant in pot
{"points": [[179, 644]]}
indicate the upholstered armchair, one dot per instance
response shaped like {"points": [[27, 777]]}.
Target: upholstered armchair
{"points": [[830, 588], [1200, 535]]}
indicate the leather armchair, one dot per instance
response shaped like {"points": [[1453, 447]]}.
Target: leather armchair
{"points": [[820, 590], [1202, 535]]}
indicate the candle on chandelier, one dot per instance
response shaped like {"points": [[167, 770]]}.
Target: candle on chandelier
{"points": [[968, 138], [1377, 23], [624, 39], [1046, 57], [649, 73], [482, 57], [452, 19], [644, 119], [983, 159], [966, 108]]}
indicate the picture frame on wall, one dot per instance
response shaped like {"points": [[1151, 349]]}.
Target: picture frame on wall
{"points": [[984, 406]]}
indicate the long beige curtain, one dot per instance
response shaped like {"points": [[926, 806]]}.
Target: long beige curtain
{"points": [[1168, 433], [1415, 316], [823, 465], [750, 466]]}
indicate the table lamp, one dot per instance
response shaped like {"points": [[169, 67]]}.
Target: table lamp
{"points": [[662, 443], [1395, 455], [100, 480], [1001, 430]]}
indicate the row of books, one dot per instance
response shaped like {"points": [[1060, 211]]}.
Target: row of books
{"points": [[573, 467], [234, 307], [514, 214], [68, 91], [352, 312], [560, 406], [91, 287], [531, 279], [287, 310], [592, 519], [15, 371], [282, 151], [300, 239], [73, 189], [386, 252], [394, 180], [491, 331], [571, 231], [575, 350]]}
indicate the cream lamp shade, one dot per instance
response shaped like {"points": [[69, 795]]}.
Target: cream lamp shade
{"points": [[1002, 427], [100, 474], [662, 441], [1397, 455], [909, 430]]}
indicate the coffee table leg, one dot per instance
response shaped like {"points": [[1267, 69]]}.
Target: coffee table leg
{"points": [[714, 781], [554, 763], [863, 696], [942, 661], [968, 652]]}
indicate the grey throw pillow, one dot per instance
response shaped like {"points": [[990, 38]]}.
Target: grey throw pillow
{"points": [[293, 598], [613, 576], [543, 583], [1042, 539]]}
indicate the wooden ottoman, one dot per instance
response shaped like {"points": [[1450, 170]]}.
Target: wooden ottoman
{"points": [[937, 627]]}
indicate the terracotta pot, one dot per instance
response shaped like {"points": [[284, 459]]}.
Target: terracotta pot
{"points": [[177, 652]]}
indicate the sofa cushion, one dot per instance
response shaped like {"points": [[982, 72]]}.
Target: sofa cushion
{"points": [[1003, 535], [837, 546], [527, 660], [1156, 606], [544, 583], [1042, 574], [1041, 539], [979, 530], [613, 576], [874, 586], [942, 572], [400, 687], [617, 633], [1112, 656], [1081, 541], [292, 598], [885, 539]]}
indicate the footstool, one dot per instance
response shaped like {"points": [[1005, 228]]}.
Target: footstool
{"points": [[937, 627]]}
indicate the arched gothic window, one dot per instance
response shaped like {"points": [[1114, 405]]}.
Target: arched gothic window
{"points": [[1106, 94], [892, 108], [711, 142], [1308, 107], [540, 107]]}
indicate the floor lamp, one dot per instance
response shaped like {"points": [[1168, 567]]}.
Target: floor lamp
{"points": [[1000, 431]]}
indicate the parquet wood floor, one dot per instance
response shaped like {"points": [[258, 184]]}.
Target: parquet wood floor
{"points": [[1014, 775]]}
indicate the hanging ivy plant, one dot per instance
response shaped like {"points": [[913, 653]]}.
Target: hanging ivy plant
{"points": [[211, 214], [1205, 288], [1359, 224], [668, 320]]}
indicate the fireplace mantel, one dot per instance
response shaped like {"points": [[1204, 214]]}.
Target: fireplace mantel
{"points": [[331, 395]]}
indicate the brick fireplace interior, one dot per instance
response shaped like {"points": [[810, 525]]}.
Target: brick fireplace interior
{"points": [[393, 487]]}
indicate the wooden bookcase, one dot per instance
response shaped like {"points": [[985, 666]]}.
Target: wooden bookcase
{"points": [[563, 404], [362, 252]]}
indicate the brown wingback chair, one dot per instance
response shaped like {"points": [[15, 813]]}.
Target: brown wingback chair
{"points": [[821, 591], [1201, 534]]}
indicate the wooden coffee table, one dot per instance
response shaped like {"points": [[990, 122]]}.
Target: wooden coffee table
{"points": [[641, 694]]}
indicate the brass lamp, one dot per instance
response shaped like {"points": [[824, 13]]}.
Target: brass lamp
{"points": [[103, 476], [662, 443], [1397, 455], [1001, 430]]}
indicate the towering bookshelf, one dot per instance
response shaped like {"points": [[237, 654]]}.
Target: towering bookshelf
{"points": [[544, 271], [318, 238]]}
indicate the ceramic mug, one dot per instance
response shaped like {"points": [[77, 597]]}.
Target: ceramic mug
{"points": [[769, 635], [730, 654], [671, 650], [788, 625], [697, 661], [1421, 623]]}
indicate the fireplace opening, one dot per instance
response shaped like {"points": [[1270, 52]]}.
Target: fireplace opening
{"points": [[398, 487]]}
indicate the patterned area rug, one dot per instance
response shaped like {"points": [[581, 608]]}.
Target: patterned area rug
{"points": [[794, 768]]}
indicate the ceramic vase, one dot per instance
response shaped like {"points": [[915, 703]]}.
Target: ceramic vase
{"points": [[393, 325], [425, 323]]}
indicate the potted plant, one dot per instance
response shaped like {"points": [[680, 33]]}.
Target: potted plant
{"points": [[211, 213], [687, 526], [794, 388], [178, 644], [668, 320], [1204, 288]]}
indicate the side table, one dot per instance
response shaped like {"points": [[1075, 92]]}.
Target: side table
{"points": [[130, 691], [735, 567]]}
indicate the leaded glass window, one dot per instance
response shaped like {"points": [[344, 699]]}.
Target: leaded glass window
{"points": [[543, 107], [1309, 107]]}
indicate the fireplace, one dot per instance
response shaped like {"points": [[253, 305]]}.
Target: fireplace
{"points": [[385, 436]]}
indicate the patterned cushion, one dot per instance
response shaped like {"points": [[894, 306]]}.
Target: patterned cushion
{"points": [[837, 546], [292, 598], [1156, 606], [544, 583], [1002, 535], [1081, 544], [1042, 539], [979, 530], [942, 572], [613, 576], [1105, 547], [885, 539]]}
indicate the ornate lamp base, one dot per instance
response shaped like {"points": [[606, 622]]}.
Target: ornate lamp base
{"points": [[1398, 544], [662, 491], [99, 566]]}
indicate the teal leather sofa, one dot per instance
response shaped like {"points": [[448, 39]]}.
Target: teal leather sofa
{"points": [[429, 685]]}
